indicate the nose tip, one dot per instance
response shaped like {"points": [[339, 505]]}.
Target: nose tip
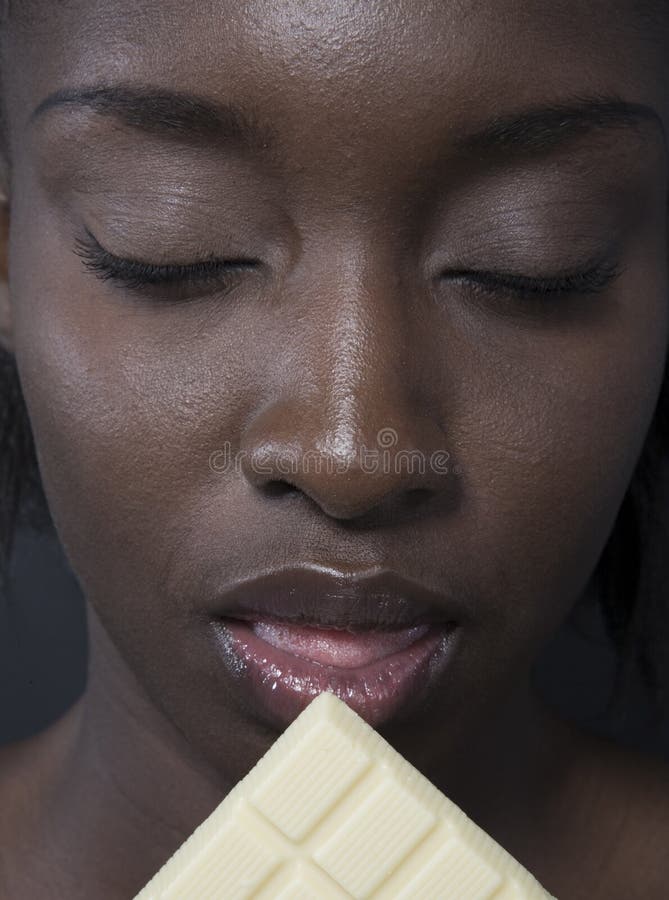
{"points": [[386, 471]]}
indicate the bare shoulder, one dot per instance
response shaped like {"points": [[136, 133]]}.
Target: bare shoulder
{"points": [[631, 794], [645, 781], [15, 799], [15, 766], [26, 767]]}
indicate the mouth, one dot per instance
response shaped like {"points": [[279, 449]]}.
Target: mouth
{"points": [[380, 642]]}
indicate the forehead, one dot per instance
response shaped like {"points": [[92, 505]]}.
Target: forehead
{"points": [[340, 78], [361, 51]]}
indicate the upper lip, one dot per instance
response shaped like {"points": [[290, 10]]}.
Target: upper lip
{"points": [[378, 600]]}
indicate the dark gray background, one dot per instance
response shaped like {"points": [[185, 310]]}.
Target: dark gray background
{"points": [[43, 656]]}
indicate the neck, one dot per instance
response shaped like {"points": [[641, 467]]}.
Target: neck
{"points": [[120, 789]]}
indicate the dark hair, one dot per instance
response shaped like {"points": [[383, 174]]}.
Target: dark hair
{"points": [[23, 499], [631, 576]]}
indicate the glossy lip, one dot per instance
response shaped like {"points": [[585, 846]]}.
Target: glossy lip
{"points": [[277, 684]]}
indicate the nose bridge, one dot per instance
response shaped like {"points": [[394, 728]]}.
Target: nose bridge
{"points": [[353, 402], [363, 369]]}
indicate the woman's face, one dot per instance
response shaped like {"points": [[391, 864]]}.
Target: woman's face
{"points": [[377, 211]]}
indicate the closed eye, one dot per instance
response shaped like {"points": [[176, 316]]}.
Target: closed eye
{"points": [[587, 280], [140, 276]]}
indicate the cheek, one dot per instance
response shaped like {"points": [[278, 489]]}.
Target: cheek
{"points": [[127, 404], [550, 436]]}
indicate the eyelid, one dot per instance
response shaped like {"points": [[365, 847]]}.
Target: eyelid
{"points": [[593, 277], [138, 274]]}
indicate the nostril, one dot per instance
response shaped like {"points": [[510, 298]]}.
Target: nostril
{"points": [[278, 488], [411, 502], [417, 496]]}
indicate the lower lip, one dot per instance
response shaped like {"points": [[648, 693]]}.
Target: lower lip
{"points": [[282, 683]]}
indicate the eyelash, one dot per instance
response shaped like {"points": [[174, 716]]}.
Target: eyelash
{"points": [[590, 280], [138, 276]]}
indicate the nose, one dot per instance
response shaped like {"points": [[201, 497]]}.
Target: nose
{"points": [[358, 433]]}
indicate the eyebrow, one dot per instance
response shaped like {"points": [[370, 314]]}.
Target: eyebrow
{"points": [[168, 114], [541, 129], [192, 118]]}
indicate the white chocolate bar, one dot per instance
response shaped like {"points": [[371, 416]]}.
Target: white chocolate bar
{"points": [[330, 812]]}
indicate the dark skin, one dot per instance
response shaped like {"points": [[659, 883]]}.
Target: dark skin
{"points": [[347, 326]]}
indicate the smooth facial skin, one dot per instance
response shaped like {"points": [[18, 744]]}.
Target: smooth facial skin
{"points": [[352, 322]]}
